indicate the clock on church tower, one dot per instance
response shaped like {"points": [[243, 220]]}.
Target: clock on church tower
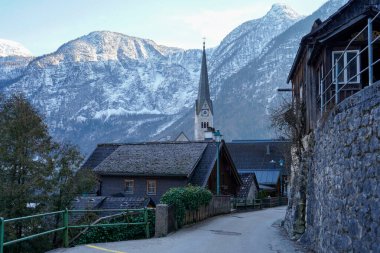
{"points": [[204, 113]]}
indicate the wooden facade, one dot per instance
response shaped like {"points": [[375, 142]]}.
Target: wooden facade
{"points": [[342, 36]]}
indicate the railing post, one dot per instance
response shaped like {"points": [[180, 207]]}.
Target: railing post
{"points": [[336, 82], [1, 235], [370, 52], [321, 87], [217, 170], [66, 231], [146, 222]]}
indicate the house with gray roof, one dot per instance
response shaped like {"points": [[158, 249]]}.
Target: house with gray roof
{"points": [[150, 169], [268, 160]]}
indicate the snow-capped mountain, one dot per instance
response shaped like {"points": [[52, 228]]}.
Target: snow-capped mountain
{"points": [[13, 48], [14, 58], [110, 87], [247, 41]]}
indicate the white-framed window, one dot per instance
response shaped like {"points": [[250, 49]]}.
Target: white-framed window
{"points": [[151, 187], [350, 60], [129, 186]]}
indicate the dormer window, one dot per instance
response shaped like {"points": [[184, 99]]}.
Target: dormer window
{"points": [[350, 62]]}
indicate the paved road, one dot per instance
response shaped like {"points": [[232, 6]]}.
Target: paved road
{"points": [[251, 232]]}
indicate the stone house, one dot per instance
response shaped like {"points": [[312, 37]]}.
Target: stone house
{"points": [[150, 169]]}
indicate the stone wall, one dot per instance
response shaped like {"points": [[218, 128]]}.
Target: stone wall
{"points": [[343, 178]]}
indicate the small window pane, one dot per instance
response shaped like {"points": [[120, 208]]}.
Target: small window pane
{"points": [[151, 187], [337, 56], [129, 184], [352, 68]]}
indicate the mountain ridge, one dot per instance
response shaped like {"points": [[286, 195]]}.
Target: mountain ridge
{"points": [[111, 87]]}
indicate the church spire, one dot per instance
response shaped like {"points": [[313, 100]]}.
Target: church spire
{"points": [[204, 89], [204, 114]]}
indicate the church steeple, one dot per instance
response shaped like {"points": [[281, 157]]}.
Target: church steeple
{"points": [[204, 112], [203, 89]]}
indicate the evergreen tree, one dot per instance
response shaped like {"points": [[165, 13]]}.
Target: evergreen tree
{"points": [[36, 174], [25, 147]]}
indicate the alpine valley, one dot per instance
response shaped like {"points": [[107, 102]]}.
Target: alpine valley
{"points": [[110, 87]]}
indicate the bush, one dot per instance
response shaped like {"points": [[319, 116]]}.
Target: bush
{"points": [[119, 233], [186, 198]]}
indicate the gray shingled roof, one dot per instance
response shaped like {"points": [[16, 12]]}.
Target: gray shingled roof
{"points": [[126, 202], [249, 155], [101, 152], [153, 159], [83, 203], [205, 166], [203, 89], [247, 179]]}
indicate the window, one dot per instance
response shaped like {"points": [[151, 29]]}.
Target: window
{"points": [[151, 186], [129, 185], [350, 60]]}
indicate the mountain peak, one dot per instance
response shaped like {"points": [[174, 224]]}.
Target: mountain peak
{"points": [[13, 48], [107, 45], [281, 9]]}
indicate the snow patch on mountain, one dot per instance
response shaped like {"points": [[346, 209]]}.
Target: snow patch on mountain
{"points": [[13, 48]]}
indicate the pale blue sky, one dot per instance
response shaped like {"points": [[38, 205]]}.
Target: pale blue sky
{"points": [[43, 25]]}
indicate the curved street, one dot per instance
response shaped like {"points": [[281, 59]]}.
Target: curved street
{"points": [[256, 231]]}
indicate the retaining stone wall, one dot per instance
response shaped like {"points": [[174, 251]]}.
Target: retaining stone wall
{"points": [[343, 179]]}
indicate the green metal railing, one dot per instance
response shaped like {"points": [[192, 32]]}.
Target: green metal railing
{"points": [[65, 226]]}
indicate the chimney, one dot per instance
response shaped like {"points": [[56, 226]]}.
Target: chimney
{"points": [[268, 149]]}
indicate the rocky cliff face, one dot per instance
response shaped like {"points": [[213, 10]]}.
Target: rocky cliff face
{"points": [[110, 87]]}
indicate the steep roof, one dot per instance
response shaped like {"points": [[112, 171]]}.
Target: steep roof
{"points": [[153, 159], [248, 155], [206, 164], [182, 137], [203, 89], [101, 152], [247, 179]]}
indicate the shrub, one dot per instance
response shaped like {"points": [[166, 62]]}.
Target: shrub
{"points": [[186, 198], [119, 233]]}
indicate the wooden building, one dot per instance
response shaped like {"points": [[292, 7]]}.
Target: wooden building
{"points": [[150, 169], [336, 45]]}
